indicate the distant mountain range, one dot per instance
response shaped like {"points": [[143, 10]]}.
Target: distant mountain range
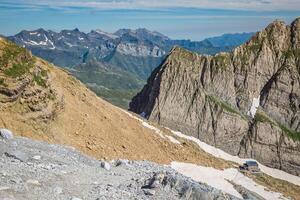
{"points": [[127, 57]]}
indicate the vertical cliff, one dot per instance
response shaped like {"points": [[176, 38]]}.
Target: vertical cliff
{"points": [[246, 102]]}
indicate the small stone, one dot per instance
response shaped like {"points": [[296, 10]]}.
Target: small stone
{"points": [[75, 198], [33, 182], [37, 157], [105, 165], [122, 162], [6, 134], [149, 192], [4, 188], [58, 190]]}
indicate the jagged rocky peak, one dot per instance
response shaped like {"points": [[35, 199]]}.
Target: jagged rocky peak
{"points": [[246, 102]]}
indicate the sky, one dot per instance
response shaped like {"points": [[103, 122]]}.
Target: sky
{"points": [[178, 19]]}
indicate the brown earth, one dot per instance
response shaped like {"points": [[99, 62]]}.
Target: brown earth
{"points": [[75, 116], [92, 125]]}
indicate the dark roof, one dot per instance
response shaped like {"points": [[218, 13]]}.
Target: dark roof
{"points": [[251, 163]]}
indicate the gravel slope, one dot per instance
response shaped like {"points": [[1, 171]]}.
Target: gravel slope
{"points": [[36, 170]]}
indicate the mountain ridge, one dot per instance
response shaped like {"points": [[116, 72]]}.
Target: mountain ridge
{"points": [[134, 52], [43, 102], [245, 101]]}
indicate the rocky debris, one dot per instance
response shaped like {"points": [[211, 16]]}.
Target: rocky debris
{"points": [[33, 182], [6, 134], [120, 162], [19, 155], [75, 176], [246, 194], [105, 165], [245, 102], [155, 181], [75, 198]]}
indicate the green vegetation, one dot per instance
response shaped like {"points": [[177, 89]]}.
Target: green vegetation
{"points": [[119, 98], [288, 54], [39, 80], [226, 106], [15, 61], [2, 82], [255, 47], [260, 117], [44, 73], [18, 70], [222, 61], [291, 133], [114, 85], [291, 53]]}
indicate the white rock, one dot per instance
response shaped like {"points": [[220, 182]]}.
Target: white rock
{"points": [[33, 182], [75, 198], [149, 192], [58, 190], [6, 134], [105, 165], [37, 157], [4, 188]]}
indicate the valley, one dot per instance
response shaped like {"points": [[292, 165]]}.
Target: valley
{"points": [[126, 56]]}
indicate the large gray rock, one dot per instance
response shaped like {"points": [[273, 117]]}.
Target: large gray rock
{"points": [[6, 134], [214, 97]]}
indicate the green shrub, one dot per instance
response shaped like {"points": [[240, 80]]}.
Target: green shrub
{"points": [[2, 82], [291, 133], [16, 57], [17, 70], [39, 80], [226, 106]]}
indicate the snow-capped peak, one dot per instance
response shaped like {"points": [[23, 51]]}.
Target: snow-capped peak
{"points": [[110, 35]]}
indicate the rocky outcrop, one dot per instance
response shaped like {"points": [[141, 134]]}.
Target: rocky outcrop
{"points": [[246, 102]]}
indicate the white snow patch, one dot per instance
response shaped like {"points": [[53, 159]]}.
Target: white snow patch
{"points": [[61, 37], [156, 130], [69, 44], [80, 38], [110, 35], [255, 105], [172, 139], [33, 33], [31, 42], [219, 179], [276, 173], [39, 35]]}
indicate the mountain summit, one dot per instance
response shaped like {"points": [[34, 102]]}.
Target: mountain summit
{"points": [[129, 56], [246, 102]]}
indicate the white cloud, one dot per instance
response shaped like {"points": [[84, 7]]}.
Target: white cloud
{"points": [[153, 4]]}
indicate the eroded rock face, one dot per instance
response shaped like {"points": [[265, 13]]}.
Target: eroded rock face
{"points": [[214, 97], [25, 86]]}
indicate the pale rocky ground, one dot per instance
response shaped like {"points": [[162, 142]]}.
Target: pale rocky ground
{"points": [[65, 112], [36, 170]]}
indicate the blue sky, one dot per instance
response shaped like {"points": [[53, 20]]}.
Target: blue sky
{"points": [[180, 19]]}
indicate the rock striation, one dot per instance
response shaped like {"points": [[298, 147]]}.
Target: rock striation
{"points": [[246, 102]]}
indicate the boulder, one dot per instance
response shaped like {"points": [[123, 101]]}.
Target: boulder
{"points": [[6, 134]]}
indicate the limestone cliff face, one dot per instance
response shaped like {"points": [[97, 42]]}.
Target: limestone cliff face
{"points": [[246, 102]]}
